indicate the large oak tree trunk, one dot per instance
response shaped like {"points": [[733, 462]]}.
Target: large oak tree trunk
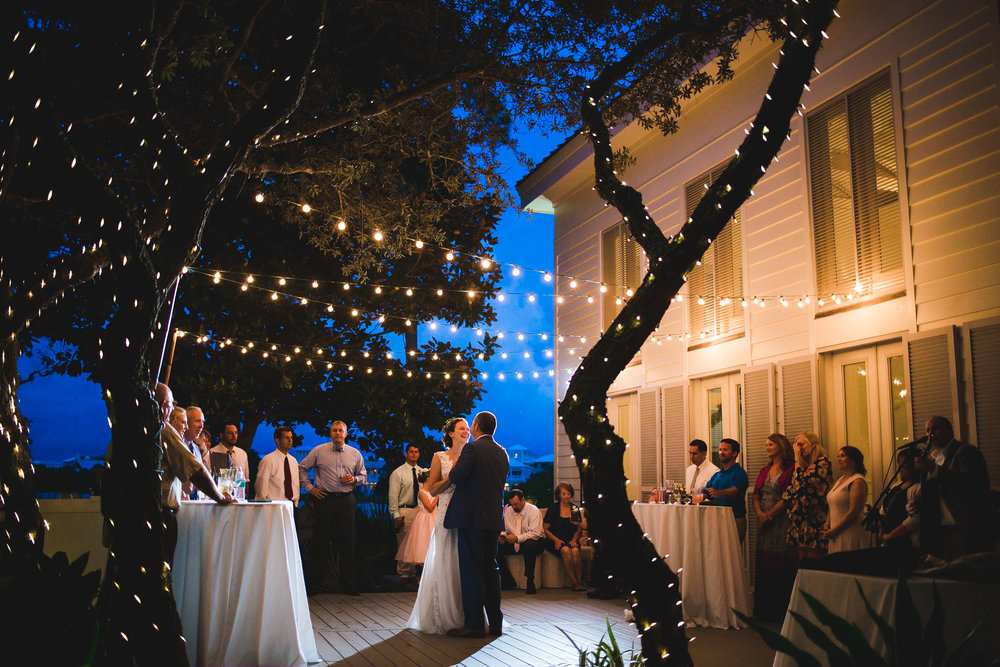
{"points": [[654, 591]]}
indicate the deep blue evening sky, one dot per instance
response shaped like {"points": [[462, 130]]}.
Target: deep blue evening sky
{"points": [[67, 416]]}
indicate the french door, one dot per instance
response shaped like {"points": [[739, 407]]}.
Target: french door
{"points": [[867, 405]]}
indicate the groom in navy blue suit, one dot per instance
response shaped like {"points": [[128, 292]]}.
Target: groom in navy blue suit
{"points": [[476, 512]]}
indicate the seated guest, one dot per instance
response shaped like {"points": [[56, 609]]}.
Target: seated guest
{"points": [[957, 516], [522, 535], [805, 497], [563, 526], [728, 487], [700, 470], [278, 472], [775, 559], [846, 501], [893, 509], [413, 548]]}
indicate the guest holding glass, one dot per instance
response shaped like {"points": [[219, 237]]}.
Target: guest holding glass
{"points": [[563, 527], [775, 559], [805, 497], [846, 499]]}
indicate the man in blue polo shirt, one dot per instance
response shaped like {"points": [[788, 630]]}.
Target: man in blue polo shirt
{"points": [[728, 487]]}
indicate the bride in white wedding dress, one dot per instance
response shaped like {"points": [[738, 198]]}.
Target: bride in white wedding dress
{"points": [[439, 599]]}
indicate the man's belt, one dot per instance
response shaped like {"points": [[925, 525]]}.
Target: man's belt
{"points": [[406, 507]]}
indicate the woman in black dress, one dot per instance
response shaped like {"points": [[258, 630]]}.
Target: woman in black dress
{"points": [[563, 525]]}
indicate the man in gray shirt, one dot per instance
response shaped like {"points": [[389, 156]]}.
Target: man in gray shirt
{"points": [[339, 469]]}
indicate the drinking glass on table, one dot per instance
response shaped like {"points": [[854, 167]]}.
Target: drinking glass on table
{"points": [[668, 491]]}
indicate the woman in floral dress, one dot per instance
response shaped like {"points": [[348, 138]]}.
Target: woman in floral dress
{"points": [[805, 497]]}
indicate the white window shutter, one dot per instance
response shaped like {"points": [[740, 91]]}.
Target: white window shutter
{"points": [[798, 398], [933, 377], [854, 191], [982, 356], [649, 440], [718, 281], [675, 432], [758, 423]]}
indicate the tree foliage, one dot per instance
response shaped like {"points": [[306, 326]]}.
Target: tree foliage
{"points": [[128, 131]]}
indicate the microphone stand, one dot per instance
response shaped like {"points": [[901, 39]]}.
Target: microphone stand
{"points": [[871, 520]]}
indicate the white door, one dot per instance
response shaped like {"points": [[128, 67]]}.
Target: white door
{"points": [[867, 406], [717, 406], [623, 413]]}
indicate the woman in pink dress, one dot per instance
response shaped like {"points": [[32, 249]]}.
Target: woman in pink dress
{"points": [[847, 503], [413, 548]]}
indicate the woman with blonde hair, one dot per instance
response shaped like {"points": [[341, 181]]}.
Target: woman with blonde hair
{"points": [[179, 420], [805, 497]]}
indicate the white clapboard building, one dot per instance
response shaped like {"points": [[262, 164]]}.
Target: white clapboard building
{"points": [[868, 257]]}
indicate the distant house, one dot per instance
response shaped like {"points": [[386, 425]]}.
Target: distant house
{"points": [[524, 463], [521, 454]]}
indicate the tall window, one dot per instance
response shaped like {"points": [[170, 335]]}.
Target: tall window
{"points": [[716, 285], [621, 258], [855, 194]]}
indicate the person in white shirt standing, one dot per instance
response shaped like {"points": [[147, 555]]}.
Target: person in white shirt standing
{"points": [[403, 489], [230, 434], [700, 470], [522, 535], [278, 472]]}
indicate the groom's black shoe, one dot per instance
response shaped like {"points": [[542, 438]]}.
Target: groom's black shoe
{"points": [[496, 632], [466, 632], [530, 588]]}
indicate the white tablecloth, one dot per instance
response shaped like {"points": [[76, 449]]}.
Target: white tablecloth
{"points": [[964, 604], [239, 586], [701, 543]]}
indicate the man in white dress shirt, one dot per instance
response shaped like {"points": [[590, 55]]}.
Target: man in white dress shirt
{"points": [[278, 472], [701, 469], [230, 434], [403, 489], [522, 535]]}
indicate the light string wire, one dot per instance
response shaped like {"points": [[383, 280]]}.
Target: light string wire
{"points": [[289, 352], [487, 263]]}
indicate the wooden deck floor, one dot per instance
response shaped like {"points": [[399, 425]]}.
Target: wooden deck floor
{"points": [[367, 631]]}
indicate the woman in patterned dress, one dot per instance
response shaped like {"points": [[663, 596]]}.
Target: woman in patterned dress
{"points": [[805, 497], [775, 567]]}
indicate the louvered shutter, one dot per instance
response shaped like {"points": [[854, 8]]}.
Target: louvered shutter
{"points": [[797, 398], [983, 355], [649, 441], [675, 436], [611, 273], [720, 275], [933, 378], [621, 269], [854, 187], [758, 423]]}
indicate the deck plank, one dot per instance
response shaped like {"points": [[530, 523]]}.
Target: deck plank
{"points": [[369, 631]]}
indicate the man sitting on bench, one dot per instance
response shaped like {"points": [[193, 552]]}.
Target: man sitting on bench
{"points": [[522, 535]]}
